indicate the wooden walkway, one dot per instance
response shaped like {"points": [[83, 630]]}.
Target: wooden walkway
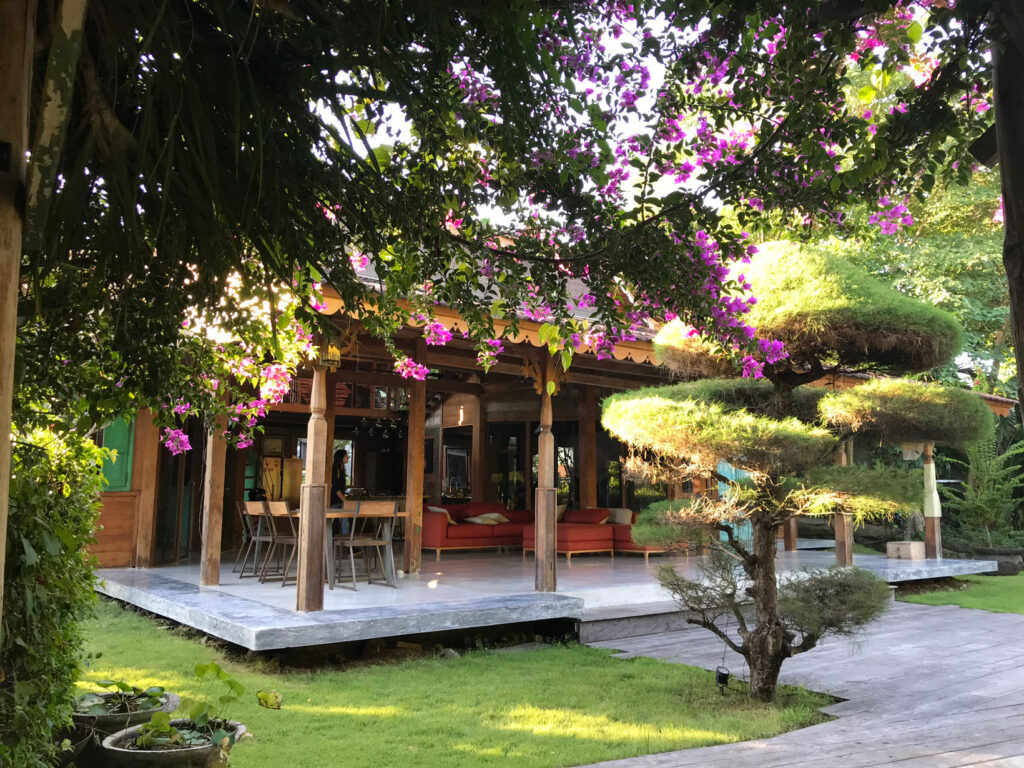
{"points": [[926, 687]]}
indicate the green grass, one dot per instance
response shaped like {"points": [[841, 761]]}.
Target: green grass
{"points": [[552, 707], [999, 594]]}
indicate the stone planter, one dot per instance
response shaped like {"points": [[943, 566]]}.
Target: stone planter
{"points": [[117, 754], [79, 736], [104, 725], [1010, 559]]}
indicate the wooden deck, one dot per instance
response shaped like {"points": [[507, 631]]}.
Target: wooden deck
{"points": [[926, 687]]}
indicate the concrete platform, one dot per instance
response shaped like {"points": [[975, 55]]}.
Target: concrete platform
{"points": [[463, 591]]}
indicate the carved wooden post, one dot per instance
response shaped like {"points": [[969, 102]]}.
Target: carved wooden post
{"points": [[587, 460], [789, 534], [313, 503], [414, 476], [841, 523], [932, 509], [17, 20], [213, 505], [547, 493]]}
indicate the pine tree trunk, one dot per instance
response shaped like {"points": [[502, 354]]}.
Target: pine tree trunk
{"points": [[766, 643]]}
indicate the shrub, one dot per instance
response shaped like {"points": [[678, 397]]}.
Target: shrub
{"points": [[48, 589]]}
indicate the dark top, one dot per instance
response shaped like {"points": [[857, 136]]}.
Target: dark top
{"points": [[338, 485]]}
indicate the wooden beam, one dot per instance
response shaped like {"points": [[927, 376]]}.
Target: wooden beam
{"points": [[414, 466], [313, 503], [546, 579], [587, 460], [395, 381], [17, 20], [213, 506], [330, 411], [527, 454], [611, 382]]}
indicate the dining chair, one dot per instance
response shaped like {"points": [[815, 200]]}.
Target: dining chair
{"points": [[286, 535], [371, 536], [260, 535], [246, 547]]}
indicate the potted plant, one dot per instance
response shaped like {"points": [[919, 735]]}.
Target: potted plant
{"points": [[72, 740], [122, 706], [201, 734]]}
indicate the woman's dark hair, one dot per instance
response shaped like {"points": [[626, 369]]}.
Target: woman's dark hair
{"points": [[338, 456]]}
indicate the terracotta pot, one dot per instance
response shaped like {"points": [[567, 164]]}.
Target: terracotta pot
{"points": [[116, 753]]}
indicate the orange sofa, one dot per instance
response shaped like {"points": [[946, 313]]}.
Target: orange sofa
{"points": [[587, 530], [439, 534]]}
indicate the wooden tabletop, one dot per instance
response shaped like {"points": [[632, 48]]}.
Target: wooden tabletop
{"points": [[367, 509]]}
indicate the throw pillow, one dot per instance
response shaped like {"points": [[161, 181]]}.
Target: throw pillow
{"points": [[588, 516], [446, 514], [496, 516], [620, 516], [482, 520]]}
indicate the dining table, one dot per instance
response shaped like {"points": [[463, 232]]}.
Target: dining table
{"points": [[348, 512]]}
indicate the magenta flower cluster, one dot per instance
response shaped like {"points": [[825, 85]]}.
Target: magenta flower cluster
{"points": [[408, 368], [435, 334], [175, 440]]}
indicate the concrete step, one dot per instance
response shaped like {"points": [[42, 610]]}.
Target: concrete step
{"points": [[615, 622]]}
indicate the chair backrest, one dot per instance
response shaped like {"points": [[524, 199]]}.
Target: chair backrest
{"points": [[243, 517], [283, 517], [369, 516]]}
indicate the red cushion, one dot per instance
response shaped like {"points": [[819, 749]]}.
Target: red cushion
{"points": [[594, 516], [470, 531], [621, 533], [457, 511], [621, 546], [569, 536], [507, 529], [521, 516]]}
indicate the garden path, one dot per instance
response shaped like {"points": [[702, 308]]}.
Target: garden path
{"points": [[926, 687]]}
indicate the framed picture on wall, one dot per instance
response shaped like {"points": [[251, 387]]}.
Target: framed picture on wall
{"points": [[456, 461]]}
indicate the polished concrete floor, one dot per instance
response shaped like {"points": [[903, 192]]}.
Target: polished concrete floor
{"points": [[462, 590]]}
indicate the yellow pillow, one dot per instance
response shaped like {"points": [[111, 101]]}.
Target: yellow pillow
{"points": [[481, 520]]}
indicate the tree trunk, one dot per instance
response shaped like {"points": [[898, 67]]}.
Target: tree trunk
{"points": [[766, 643], [1008, 63]]}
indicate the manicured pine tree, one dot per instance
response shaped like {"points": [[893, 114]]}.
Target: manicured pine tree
{"points": [[833, 319]]}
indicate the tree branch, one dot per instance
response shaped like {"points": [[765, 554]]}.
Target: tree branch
{"points": [[712, 627]]}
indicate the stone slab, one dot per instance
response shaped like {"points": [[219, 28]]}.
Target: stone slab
{"points": [[261, 627]]}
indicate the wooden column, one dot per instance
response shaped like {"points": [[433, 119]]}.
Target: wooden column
{"points": [[527, 454], [146, 474], [932, 509], [587, 460], [546, 500], [789, 534], [313, 502], [841, 524], [17, 20], [329, 416], [213, 505], [414, 476], [478, 469]]}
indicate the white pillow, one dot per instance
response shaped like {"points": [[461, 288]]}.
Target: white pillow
{"points": [[620, 516], [482, 519]]}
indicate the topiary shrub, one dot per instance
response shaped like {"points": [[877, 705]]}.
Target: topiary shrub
{"points": [[48, 589]]}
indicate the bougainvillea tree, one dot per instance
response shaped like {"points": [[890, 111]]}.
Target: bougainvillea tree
{"points": [[833, 319], [510, 160]]}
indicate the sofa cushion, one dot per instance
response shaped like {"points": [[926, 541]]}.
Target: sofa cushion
{"points": [[621, 534], [593, 516], [458, 512], [457, 532], [502, 530], [574, 536], [521, 516], [443, 511]]}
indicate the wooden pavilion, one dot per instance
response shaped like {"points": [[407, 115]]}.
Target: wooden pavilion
{"points": [[411, 439]]}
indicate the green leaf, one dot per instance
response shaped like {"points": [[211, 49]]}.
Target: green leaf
{"points": [[867, 93], [551, 387], [914, 32]]}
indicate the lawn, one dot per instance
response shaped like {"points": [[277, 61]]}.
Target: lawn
{"points": [[1000, 594], [558, 706]]}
